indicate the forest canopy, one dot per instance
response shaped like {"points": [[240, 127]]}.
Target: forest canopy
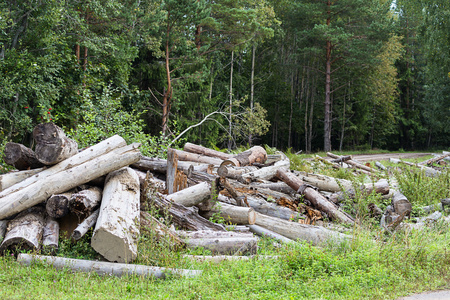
{"points": [[307, 75]]}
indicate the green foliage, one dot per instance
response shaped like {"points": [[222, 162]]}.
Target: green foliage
{"points": [[79, 250]]}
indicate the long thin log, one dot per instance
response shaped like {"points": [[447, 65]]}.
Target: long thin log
{"points": [[318, 201], [266, 173], [117, 229], [241, 199], [221, 258], [21, 157], [11, 178], [256, 154], [264, 232], [106, 146], [84, 226], [353, 163], [192, 195], [233, 214], [429, 172], [85, 201], [104, 268], [25, 231], [65, 180], [317, 235], [431, 161], [325, 183], [272, 209], [380, 187], [50, 236], [187, 156], [52, 144], [234, 172], [193, 148], [159, 165]]}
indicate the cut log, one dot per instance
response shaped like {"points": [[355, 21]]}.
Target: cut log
{"points": [[264, 232], [431, 161], [117, 230], [3, 226], [210, 234], [159, 165], [274, 186], [172, 164], [104, 268], [229, 171], [380, 166], [152, 227], [375, 211], [325, 183], [316, 235], [401, 204], [11, 178], [256, 154], [341, 159], [353, 163], [21, 157], [187, 156], [192, 195], [52, 144], [57, 206], [193, 148], [84, 226], [266, 173], [380, 187], [25, 231], [183, 217], [65, 180], [233, 214], [88, 154], [155, 182], [85, 201], [317, 200], [272, 209], [241, 199], [50, 236]]}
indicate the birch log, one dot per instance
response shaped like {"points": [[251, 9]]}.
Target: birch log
{"points": [[85, 201], [233, 214], [192, 195], [25, 231], [256, 154], [84, 226], [317, 235], [117, 229], [65, 180], [21, 157], [52, 144], [266, 173], [193, 148], [57, 206], [317, 200], [104, 268], [50, 236], [159, 165], [11, 178], [84, 156], [264, 232]]}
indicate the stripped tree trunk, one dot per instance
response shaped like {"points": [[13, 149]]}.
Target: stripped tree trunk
{"points": [[187, 156], [160, 165], [192, 195], [50, 237], [117, 229], [11, 178], [256, 154], [233, 214], [84, 226], [189, 147]]}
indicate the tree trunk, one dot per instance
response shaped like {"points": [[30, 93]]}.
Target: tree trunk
{"points": [[380, 187], [52, 144], [353, 163], [256, 154], [401, 204], [264, 232], [160, 165], [317, 200], [429, 172], [21, 157], [117, 229], [193, 148], [266, 173], [58, 205], [11, 178], [272, 209], [233, 214], [317, 235], [25, 231], [192, 195], [234, 172], [65, 180], [84, 226], [104, 268], [88, 154], [325, 183], [241, 199], [430, 161], [50, 237], [187, 156], [85, 201]]}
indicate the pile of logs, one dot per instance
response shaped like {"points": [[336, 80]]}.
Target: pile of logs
{"points": [[111, 188]]}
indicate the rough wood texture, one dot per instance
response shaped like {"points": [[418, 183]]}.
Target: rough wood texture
{"points": [[272, 209], [193, 148], [192, 195], [234, 172], [221, 258], [52, 144], [187, 156], [256, 154], [104, 268], [65, 180], [431, 161], [317, 200], [183, 217], [152, 227], [233, 214], [380, 187], [317, 235], [159, 165], [172, 165], [353, 163], [241, 199], [50, 236], [325, 183], [264, 232], [86, 201], [21, 157], [3, 225], [25, 231], [11, 178], [266, 173], [401, 204], [84, 226], [117, 229], [88, 154], [57, 206]]}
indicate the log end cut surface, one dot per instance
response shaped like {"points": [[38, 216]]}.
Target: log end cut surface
{"points": [[112, 247]]}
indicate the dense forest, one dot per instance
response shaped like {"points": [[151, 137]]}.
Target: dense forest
{"points": [[305, 74]]}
